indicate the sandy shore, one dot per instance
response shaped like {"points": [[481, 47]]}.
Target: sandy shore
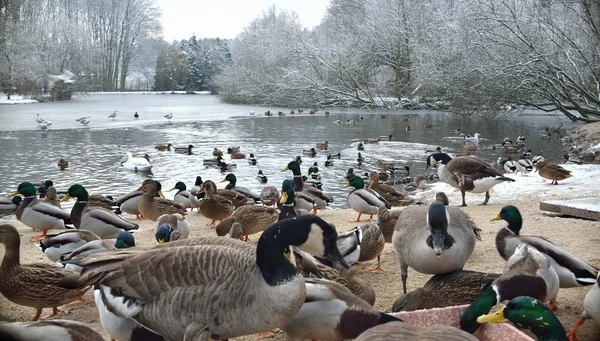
{"points": [[579, 237]]}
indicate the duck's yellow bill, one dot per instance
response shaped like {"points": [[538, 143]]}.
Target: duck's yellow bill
{"points": [[14, 193], [285, 169], [223, 180], [161, 241], [498, 217], [65, 198], [161, 193], [346, 186], [284, 198], [496, 317], [172, 189]]}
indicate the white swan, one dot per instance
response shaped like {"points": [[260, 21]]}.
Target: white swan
{"points": [[473, 139], [141, 164]]}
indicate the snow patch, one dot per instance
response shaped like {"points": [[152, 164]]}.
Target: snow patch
{"points": [[15, 99]]}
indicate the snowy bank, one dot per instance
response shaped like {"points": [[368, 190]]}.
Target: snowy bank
{"points": [[145, 93], [15, 99], [586, 142]]}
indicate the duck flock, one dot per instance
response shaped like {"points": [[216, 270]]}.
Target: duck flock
{"points": [[300, 277]]}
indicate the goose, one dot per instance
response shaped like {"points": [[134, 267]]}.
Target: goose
{"points": [[510, 165], [38, 215], [151, 207], [103, 223], [332, 312], [55, 245], [269, 195], [261, 178], [524, 165], [170, 227], [552, 172], [364, 200], [168, 116], [467, 174], [526, 273], [591, 309], [9, 205], [527, 312], [168, 303], [433, 240], [129, 202], [113, 115], [231, 178], [446, 290], [406, 332], [572, 271], [138, 164], [253, 218], [37, 285], [64, 330]]}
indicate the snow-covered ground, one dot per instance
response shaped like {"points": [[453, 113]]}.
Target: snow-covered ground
{"points": [[15, 99], [144, 93], [582, 184]]}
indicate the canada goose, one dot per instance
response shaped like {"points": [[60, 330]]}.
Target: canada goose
{"points": [[433, 240], [191, 306], [64, 330], [406, 332], [467, 174]]}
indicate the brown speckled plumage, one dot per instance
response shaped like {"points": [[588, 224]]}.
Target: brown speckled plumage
{"points": [[215, 206], [152, 208], [389, 193], [50, 197], [253, 218]]}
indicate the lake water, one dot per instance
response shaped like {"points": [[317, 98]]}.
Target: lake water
{"points": [[94, 152]]}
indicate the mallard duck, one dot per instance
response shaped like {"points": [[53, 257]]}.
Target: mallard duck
{"points": [[329, 162], [231, 150], [445, 290], [55, 245], [331, 312], [269, 195], [238, 156], [591, 309], [73, 259], [288, 205], [241, 190], [467, 174], [387, 223], [50, 197], [433, 240], [510, 165], [170, 227], [310, 152], [524, 165], [509, 149], [389, 193], [62, 164], [538, 158], [38, 215], [321, 199], [129, 202], [442, 197], [336, 156], [214, 206], [529, 313], [154, 302], [184, 150], [253, 218], [195, 190], [217, 152], [184, 196], [428, 125], [151, 207], [138, 164], [526, 273], [360, 158], [572, 271], [261, 177], [406, 332], [64, 330], [136, 115], [323, 145], [105, 224], [105, 202], [371, 141], [371, 245], [552, 172], [163, 147], [37, 285], [236, 231], [8, 205], [364, 200], [294, 166], [252, 160], [360, 146]]}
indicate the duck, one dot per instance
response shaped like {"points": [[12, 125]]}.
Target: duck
{"points": [[350, 174], [331, 312], [529, 313], [310, 152], [455, 131], [184, 150], [428, 125], [572, 271], [407, 332], [262, 271], [72, 260], [103, 223], [591, 309], [129, 202], [64, 330], [39, 215], [387, 223], [138, 164], [408, 128], [9, 205], [508, 149], [360, 146], [433, 240], [524, 165], [184, 196], [253, 218], [105, 202], [223, 166], [136, 115], [163, 147], [170, 227], [212, 162], [195, 190], [329, 161], [214, 206], [526, 273], [252, 161], [364, 200], [445, 290], [467, 174], [371, 141], [238, 155], [552, 172], [371, 245], [336, 156], [360, 158], [152, 207], [231, 178], [231, 150], [62, 164], [217, 152], [510, 165], [261, 177], [389, 193], [538, 158], [290, 205], [320, 198], [51, 196], [569, 159], [168, 116], [527, 153], [419, 182], [37, 285], [294, 166], [323, 145], [55, 245], [269, 195]]}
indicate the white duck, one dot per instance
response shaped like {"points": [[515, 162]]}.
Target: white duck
{"points": [[139, 164]]}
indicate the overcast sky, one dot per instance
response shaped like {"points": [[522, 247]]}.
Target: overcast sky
{"points": [[227, 18]]}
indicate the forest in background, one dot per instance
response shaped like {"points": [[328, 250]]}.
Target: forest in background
{"points": [[474, 56]]}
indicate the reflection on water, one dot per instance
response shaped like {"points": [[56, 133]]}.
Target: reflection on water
{"points": [[94, 155]]}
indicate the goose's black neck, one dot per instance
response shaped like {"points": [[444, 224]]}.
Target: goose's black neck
{"points": [[273, 265]]}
